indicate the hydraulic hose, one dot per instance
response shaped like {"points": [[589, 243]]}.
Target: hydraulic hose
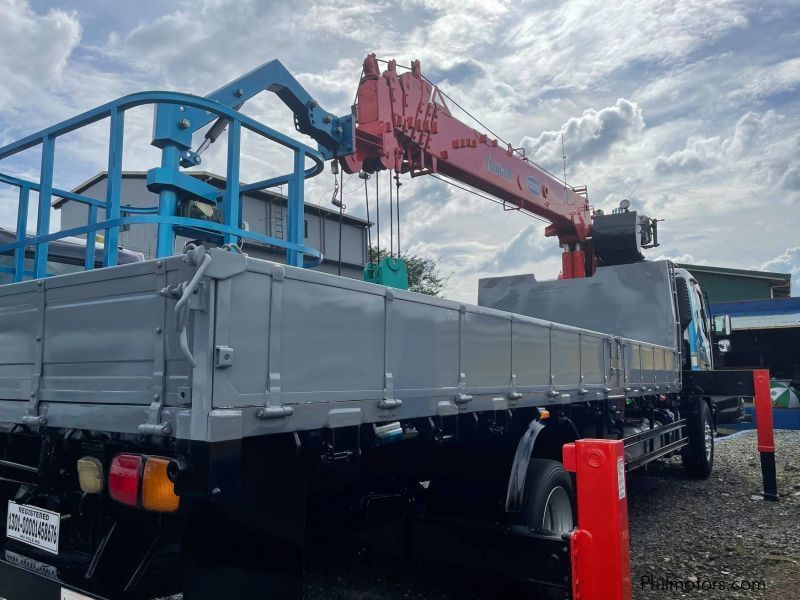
{"points": [[194, 255]]}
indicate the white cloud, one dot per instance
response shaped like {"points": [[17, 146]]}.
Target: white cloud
{"points": [[589, 136], [703, 152], [35, 52], [788, 262], [760, 82], [521, 252], [684, 259], [577, 44], [790, 181]]}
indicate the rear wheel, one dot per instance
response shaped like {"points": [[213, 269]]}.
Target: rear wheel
{"points": [[548, 498], [698, 454], [548, 504]]}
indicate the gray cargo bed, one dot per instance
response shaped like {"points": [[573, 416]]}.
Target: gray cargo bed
{"points": [[284, 349]]}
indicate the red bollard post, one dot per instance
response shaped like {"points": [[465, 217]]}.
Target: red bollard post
{"points": [[601, 560], [766, 437]]}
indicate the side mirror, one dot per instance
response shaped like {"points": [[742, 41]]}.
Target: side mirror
{"points": [[724, 346], [722, 325]]}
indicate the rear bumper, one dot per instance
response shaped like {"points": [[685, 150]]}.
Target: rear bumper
{"points": [[25, 578]]}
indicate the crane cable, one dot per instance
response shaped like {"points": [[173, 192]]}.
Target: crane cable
{"points": [[397, 203], [341, 219], [369, 229], [391, 217], [378, 219]]}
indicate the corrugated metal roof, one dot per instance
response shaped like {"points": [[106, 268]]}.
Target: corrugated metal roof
{"points": [[778, 313], [778, 277]]}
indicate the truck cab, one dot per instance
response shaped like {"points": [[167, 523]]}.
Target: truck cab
{"points": [[697, 331]]}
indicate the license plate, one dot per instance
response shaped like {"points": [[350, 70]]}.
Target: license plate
{"points": [[33, 526]]}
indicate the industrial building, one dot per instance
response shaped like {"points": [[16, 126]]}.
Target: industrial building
{"points": [[263, 212], [764, 318], [722, 284]]}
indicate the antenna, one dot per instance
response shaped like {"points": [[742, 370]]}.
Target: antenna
{"points": [[564, 158]]}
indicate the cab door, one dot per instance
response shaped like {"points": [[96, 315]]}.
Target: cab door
{"points": [[699, 330]]}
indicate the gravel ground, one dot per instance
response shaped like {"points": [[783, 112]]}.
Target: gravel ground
{"points": [[714, 532], [718, 530]]}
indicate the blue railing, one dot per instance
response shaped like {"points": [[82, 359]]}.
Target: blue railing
{"points": [[173, 135]]}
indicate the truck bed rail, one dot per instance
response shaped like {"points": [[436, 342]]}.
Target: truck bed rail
{"points": [[281, 349]]}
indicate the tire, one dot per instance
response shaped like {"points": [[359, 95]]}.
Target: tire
{"points": [[548, 501], [698, 454], [548, 504]]}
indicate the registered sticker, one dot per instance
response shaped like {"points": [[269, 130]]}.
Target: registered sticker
{"points": [[33, 526], [621, 477]]}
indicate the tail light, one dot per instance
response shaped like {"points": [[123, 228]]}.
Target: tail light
{"points": [[137, 480], [158, 492], [124, 478], [90, 474]]}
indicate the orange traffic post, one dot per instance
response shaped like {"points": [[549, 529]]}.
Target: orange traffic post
{"points": [[766, 437], [601, 561]]}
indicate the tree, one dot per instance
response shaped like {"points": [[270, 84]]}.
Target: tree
{"points": [[423, 273]]}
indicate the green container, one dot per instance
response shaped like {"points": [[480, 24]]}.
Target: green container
{"points": [[391, 272]]}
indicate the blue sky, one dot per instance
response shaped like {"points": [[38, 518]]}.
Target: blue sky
{"points": [[691, 109]]}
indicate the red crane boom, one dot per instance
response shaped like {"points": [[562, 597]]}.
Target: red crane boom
{"points": [[404, 124]]}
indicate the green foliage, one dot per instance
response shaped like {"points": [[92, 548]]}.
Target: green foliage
{"points": [[423, 273]]}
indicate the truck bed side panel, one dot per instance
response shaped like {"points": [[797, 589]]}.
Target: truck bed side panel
{"points": [[20, 324], [334, 349], [98, 338], [283, 349]]}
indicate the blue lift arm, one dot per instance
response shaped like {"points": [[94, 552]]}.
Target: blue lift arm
{"points": [[175, 124], [334, 135], [177, 117]]}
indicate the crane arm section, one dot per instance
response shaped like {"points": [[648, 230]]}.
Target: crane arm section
{"points": [[405, 124], [333, 134]]}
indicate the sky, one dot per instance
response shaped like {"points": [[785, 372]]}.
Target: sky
{"points": [[689, 109]]}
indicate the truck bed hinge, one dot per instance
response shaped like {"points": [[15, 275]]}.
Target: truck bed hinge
{"points": [[274, 412], [389, 403], [154, 428]]}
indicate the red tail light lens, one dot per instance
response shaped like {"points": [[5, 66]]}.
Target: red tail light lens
{"points": [[124, 477]]}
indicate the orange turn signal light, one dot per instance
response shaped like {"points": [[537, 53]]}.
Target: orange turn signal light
{"points": [[158, 492]]}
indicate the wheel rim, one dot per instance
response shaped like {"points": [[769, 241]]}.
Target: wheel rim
{"points": [[709, 440], [558, 512]]}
